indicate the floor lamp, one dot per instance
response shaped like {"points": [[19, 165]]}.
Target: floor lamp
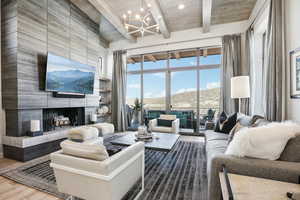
{"points": [[240, 88]]}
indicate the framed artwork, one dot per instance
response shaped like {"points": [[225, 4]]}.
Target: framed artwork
{"points": [[295, 73]]}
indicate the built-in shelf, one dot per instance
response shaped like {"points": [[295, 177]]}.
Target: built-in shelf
{"points": [[104, 115]]}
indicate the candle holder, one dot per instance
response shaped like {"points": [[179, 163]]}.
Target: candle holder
{"points": [[35, 128]]}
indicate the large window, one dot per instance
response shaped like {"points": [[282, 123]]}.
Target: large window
{"points": [[133, 88], [154, 91], [186, 83]]}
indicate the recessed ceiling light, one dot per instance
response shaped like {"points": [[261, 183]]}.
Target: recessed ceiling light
{"points": [[149, 5], [180, 6]]}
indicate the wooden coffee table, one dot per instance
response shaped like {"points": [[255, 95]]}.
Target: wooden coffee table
{"points": [[160, 142]]}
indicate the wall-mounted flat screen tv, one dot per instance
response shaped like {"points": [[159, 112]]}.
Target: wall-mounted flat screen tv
{"points": [[67, 76]]}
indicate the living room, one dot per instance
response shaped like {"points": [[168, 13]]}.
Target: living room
{"points": [[150, 99]]}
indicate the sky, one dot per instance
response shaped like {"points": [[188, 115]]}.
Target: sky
{"points": [[181, 81]]}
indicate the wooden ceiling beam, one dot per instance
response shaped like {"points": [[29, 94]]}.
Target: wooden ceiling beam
{"points": [[177, 55], [130, 60], [107, 12], [158, 16], [151, 57], [206, 12]]}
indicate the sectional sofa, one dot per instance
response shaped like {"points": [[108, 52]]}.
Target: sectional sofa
{"points": [[287, 168]]}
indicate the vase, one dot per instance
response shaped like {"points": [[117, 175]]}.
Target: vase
{"points": [[136, 117]]}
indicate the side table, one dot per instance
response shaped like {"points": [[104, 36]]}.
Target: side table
{"points": [[240, 187]]}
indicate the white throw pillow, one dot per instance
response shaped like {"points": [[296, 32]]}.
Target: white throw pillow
{"points": [[83, 133], [82, 150], [265, 142]]}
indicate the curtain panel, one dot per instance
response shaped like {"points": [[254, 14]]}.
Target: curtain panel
{"points": [[231, 66], [275, 68], [119, 117]]}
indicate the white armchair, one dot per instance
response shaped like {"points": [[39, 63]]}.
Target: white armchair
{"points": [[175, 125], [110, 179]]}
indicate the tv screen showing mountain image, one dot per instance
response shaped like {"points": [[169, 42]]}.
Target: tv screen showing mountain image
{"points": [[67, 76]]}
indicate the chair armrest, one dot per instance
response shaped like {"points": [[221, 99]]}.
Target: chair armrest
{"points": [[276, 170], [175, 125], [118, 159]]}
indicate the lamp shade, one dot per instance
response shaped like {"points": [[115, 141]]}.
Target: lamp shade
{"points": [[35, 125], [240, 87]]}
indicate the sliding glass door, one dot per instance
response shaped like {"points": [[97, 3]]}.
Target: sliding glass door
{"points": [[183, 83]]}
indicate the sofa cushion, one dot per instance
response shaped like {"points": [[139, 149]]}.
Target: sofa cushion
{"points": [[82, 150], [164, 122], [214, 148], [212, 135], [226, 123], [291, 153], [168, 117], [244, 120]]}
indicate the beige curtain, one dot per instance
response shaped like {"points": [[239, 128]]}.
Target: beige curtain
{"points": [[275, 68], [119, 117], [231, 66], [248, 70]]}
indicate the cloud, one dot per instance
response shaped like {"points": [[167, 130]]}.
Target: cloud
{"points": [[155, 95], [212, 85], [134, 86], [185, 90]]}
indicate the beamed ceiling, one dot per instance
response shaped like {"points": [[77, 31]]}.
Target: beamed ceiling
{"points": [[107, 13], [153, 57]]}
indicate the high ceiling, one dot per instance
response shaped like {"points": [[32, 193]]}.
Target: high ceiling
{"points": [[109, 13]]}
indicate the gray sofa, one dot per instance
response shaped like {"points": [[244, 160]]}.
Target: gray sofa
{"points": [[215, 146]]}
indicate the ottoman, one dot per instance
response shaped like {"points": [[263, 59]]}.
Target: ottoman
{"points": [[104, 128]]}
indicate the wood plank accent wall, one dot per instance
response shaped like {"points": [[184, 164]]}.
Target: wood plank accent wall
{"points": [[31, 29]]}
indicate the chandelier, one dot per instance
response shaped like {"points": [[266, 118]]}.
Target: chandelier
{"points": [[141, 22]]}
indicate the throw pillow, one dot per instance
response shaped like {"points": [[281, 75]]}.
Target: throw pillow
{"points": [[88, 151], [291, 151], [83, 133], [225, 124], [265, 142], [164, 122], [235, 129]]}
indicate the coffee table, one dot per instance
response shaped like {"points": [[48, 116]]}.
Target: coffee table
{"points": [[160, 142]]}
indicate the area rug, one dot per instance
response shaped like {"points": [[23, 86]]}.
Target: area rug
{"points": [[177, 175]]}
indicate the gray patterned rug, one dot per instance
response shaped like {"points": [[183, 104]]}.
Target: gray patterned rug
{"points": [[177, 175]]}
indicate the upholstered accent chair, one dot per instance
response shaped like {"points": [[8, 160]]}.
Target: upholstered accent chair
{"points": [[153, 125], [109, 179]]}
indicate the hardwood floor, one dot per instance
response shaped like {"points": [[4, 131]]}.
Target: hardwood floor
{"points": [[9, 190]]}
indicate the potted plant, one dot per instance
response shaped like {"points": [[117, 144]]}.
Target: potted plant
{"points": [[137, 108]]}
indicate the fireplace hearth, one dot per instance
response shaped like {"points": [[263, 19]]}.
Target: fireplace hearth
{"points": [[62, 117]]}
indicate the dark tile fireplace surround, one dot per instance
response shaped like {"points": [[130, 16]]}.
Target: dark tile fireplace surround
{"points": [[75, 117]]}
